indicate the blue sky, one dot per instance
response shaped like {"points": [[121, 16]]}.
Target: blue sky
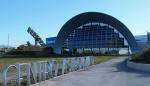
{"points": [[46, 17]]}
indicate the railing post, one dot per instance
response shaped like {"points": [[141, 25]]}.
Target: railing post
{"points": [[18, 74], [63, 66], [5, 77], [55, 66], [28, 74], [43, 69]]}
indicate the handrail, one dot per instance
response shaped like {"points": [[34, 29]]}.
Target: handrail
{"points": [[44, 70]]}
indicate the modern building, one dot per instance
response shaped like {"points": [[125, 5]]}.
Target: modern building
{"points": [[143, 41], [96, 33], [50, 41]]}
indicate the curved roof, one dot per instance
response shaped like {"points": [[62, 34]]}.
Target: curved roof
{"points": [[88, 17]]}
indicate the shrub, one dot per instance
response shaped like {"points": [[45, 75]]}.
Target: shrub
{"points": [[19, 52], [143, 56]]}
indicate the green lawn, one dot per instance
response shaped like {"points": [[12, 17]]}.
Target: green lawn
{"points": [[12, 60], [100, 59], [3, 61]]}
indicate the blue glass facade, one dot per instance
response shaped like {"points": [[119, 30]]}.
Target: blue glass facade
{"points": [[94, 36], [50, 41]]}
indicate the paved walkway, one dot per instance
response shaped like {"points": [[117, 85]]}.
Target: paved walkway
{"points": [[110, 73]]}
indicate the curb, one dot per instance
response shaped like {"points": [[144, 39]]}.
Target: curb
{"points": [[138, 66]]}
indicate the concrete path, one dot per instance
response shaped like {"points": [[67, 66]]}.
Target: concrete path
{"points": [[110, 73]]}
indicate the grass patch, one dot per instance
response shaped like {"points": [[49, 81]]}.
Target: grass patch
{"points": [[100, 59], [11, 60], [4, 61]]}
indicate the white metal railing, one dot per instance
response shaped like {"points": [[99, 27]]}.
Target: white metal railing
{"points": [[44, 70]]}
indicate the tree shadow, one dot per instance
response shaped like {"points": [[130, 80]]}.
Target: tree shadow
{"points": [[122, 67]]}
